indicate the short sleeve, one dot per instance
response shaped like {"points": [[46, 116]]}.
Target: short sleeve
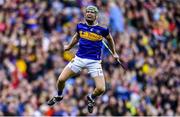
{"points": [[105, 32], [77, 28]]}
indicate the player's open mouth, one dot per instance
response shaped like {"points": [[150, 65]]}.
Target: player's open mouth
{"points": [[89, 16]]}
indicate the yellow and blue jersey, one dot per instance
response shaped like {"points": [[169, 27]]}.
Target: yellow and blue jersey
{"points": [[90, 40]]}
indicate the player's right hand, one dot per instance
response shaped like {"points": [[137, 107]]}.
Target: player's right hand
{"points": [[66, 48]]}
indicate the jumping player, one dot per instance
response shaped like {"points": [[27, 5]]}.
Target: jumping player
{"points": [[89, 35]]}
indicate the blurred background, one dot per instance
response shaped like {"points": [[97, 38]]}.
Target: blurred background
{"points": [[146, 34]]}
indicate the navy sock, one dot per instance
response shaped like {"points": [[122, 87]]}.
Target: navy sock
{"points": [[59, 92], [93, 96]]}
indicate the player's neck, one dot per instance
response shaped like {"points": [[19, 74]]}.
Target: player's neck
{"points": [[89, 23]]}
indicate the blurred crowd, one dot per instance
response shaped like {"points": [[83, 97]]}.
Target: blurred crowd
{"points": [[146, 34]]}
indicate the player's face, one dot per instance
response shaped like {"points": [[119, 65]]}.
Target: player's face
{"points": [[90, 15]]}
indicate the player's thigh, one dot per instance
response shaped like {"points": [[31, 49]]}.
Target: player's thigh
{"points": [[95, 68], [96, 72], [73, 67], [66, 73], [100, 83]]}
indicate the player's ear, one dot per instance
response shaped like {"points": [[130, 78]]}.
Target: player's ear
{"points": [[97, 17]]}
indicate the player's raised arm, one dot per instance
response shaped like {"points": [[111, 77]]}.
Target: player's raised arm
{"points": [[112, 46], [73, 42]]}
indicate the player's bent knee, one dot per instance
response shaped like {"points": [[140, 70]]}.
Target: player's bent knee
{"points": [[61, 80], [66, 73]]}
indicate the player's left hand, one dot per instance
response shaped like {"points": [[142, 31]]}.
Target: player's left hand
{"points": [[124, 65], [116, 56]]}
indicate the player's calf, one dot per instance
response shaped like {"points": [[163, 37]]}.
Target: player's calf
{"points": [[91, 98], [98, 91]]}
